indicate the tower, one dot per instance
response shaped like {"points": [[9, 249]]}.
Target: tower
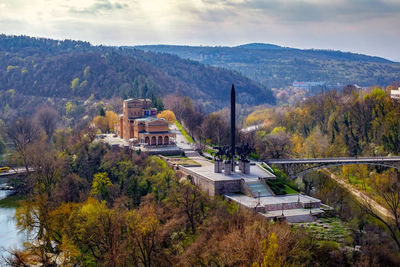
{"points": [[233, 125]]}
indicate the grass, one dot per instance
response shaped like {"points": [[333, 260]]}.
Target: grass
{"points": [[184, 161], [11, 201], [209, 150], [280, 187], [180, 128], [359, 183], [329, 229]]}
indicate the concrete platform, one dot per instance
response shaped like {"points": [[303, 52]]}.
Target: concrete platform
{"points": [[272, 200], [291, 214], [121, 143], [256, 172]]}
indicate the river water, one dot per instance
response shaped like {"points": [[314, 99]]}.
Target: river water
{"points": [[10, 237]]}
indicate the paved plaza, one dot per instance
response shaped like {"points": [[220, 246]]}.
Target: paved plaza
{"points": [[256, 172]]}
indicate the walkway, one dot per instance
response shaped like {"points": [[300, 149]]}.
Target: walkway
{"points": [[360, 196]]}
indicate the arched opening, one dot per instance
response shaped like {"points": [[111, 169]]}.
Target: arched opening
{"points": [[147, 140], [153, 140], [166, 140], [160, 140]]}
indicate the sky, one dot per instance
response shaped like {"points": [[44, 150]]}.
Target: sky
{"points": [[369, 27]]}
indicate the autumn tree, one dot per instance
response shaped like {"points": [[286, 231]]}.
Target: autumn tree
{"points": [[168, 115], [107, 122]]}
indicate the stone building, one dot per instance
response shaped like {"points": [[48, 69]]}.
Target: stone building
{"points": [[139, 125]]}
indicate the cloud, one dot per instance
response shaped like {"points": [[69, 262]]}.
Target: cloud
{"points": [[366, 26], [313, 10], [99, 6]]}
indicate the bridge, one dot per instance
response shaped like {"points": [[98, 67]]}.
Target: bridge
{"points": [[13, 172], [299, 167]]}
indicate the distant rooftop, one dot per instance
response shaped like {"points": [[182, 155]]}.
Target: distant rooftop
{"points": [[137, 99]]}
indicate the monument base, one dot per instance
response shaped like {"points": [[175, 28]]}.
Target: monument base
{"points": [[227, 167], [244, 166], [218, 166]]}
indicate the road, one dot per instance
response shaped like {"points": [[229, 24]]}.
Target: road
{"points": [[180, 139], [360, 196]]}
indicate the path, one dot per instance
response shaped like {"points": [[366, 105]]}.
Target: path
{"points": [[360, 196], [189, 149]]}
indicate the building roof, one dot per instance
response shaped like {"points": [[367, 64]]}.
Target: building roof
{"points": [[149, 119], [138, 99]]}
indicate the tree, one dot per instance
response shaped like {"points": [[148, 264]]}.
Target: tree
{"points": [[188, 198], [316, 144], [278, 144], [143, 230], [193, 120], [387, 187], [46, 117], [23, 132], [101, 123], [111, 118], [215, 129], [100, 185], [168, 115], [100, 232]]}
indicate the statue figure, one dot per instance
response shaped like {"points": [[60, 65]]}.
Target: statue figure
{"points": [[220, 153], [244, 151]]}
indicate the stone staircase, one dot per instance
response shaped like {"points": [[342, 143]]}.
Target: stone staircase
{"points": [[259, 186]]}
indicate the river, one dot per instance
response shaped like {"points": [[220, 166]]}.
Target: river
{"points": [[10, 237]]}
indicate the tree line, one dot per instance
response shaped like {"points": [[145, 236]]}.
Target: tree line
{"points": [[89, 205]]}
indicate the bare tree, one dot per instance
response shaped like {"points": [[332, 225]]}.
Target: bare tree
{"points": [[215, 129], [22, 133], [389, 192], [278, 145], [46, 117]]}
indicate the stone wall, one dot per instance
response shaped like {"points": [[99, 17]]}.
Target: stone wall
{"points": [[211, 187]]}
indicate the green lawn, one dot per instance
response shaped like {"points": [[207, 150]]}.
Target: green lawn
{"points": [[180, 127], [280, 187], [209, 150], [184, 161]]}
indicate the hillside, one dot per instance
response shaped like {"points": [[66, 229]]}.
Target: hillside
{"points": [[73, 69], [278, 67]]}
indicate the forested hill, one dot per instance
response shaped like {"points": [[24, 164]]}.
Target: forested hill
{"points": [[45, 67], [277, 67]]}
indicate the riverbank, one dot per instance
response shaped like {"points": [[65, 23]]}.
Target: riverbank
{"points": [[11, 201]]}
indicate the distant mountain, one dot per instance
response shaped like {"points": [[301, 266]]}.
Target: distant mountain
{"points": [[277, 67], [260, 46], [74, 69]]}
